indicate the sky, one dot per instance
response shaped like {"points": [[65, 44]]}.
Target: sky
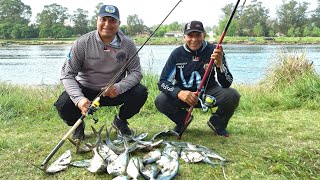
{"points": [[152, 12]]}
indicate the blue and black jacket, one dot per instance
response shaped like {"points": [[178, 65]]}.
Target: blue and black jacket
{"points": [[185, 68]]}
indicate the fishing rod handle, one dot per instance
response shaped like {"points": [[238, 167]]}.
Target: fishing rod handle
{"points": [[61, 142]]}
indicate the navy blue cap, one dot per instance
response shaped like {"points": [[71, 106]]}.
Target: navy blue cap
{"points": [[109, 10], [193, 26]]}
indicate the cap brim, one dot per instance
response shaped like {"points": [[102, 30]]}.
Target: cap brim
{"points": [[108, 14], [192, 30]]}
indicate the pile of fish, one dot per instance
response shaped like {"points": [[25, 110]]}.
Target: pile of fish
{"points": [[159, 161]]}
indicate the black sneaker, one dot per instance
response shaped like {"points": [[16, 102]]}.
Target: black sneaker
{"points": [[122, 126], [79, 132], [181, 128], [222, 132]]}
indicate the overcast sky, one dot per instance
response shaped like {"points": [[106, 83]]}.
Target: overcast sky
{"points": [[152, 12]]}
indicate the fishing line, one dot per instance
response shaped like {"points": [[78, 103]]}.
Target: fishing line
{"points": [[95, 103], [113, 80]]}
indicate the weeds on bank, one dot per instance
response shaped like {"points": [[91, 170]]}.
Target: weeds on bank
{"points": [[291, 82]]}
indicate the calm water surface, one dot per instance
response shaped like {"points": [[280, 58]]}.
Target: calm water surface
{"points": [[36, 65]]}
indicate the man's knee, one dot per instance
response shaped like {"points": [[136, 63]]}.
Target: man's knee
{"points": [[236, 97], [68, 112], [161, 102], [140, 92]]}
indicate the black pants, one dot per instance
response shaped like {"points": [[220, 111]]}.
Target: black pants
{"points": [[227, 100], [131, 101]]}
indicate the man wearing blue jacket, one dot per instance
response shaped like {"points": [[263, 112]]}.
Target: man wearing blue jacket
{"points": [[182, 74]]}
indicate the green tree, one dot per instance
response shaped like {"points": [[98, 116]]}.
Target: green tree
{"points": [[135, 25], [315, 17], [14, 11], [24, 31], [306, 31], [81, 22], [175, 26], [93, 21], [161, 31], [271, 33], [253, 14], [232, 31], [5, 30], [45, 31], [227, 10], [292, 15], [315, 32], [290, 32], [124, 28], [16, 33], [60, 31], [52, 14], [272, 27], [258, 29]]}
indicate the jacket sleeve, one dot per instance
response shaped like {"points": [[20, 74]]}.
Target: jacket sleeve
{"points": [[224, 76], [70, 70], [167, 80]]}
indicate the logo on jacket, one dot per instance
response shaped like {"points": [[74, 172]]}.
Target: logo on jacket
{"points": [[181, 65], [121, 57], [195, 58]]}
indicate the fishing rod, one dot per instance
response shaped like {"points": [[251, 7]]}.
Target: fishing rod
{"points": [[95, 103], [209, 68]]}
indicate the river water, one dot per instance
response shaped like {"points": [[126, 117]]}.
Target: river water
{"points": [[38, 65]]}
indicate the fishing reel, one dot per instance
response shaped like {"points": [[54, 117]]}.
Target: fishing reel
{"points": [[93, 108], [207, 101]]}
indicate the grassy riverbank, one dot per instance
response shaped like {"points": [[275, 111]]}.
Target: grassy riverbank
{"points": [[274, 132], [174, 41]]}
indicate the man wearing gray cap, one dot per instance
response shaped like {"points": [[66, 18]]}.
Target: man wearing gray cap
{"points": [[94, 59], [182, 75]]}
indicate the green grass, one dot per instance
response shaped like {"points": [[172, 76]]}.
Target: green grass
{"points": [[274, 132]]}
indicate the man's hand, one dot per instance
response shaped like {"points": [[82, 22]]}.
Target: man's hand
{"points": [[217, 56], [83, 105], [188, 97], [112, 92]]}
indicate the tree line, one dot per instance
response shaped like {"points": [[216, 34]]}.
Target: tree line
{"points": [[292, 19]]}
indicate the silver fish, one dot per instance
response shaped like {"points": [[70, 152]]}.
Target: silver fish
{"points": [[60, 164], [148, 145], [165, 133], [116, 149], [130, 138], [121, 178], [151, 157], [107, 154], [119, 165], [170, 167], [97, 163], [208, 152], [83, 163], [171, 150], [150, 171], [191, 156], [134, 165]]}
